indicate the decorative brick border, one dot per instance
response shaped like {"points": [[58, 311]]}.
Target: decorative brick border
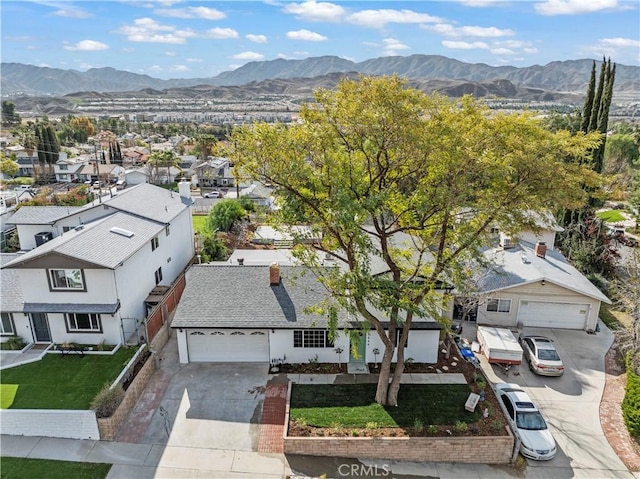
{"points": [[464, 449], [109, 426]]}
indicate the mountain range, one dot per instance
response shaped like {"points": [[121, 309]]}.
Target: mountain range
{"points": [[570, 76]]}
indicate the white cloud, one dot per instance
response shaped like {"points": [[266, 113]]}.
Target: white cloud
{"points": [[248, 56], [313, 11], [306, 35], [391, 46], [379, 18], [481, 3], [194, 60], [179, 68], [128, 50], [221, 33], [86, 46], [573, 7], [72, 12], [256, 38], [155, 68], [148, 30], [502, 51], [618, 47], [620, 42], [293, 55], [191, 12], [464, 45], [469, 31], [234, 66], [170, 54]]}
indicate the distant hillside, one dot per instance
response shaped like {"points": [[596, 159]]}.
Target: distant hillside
{"points": [[560, 76]]}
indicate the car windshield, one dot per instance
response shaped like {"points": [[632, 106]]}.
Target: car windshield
{"points": [[532, 421], [548, 355]]}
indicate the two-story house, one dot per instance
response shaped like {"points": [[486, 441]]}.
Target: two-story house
{"points": [[87, 281]]}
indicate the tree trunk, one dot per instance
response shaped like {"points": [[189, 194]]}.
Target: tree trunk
{"points": [[394, 387], [385, 373]]}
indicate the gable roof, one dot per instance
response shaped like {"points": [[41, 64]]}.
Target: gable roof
{"points": [[234, 296], [42, 215], [11, 299], [510, 271], [149, 201], [93, 244]]}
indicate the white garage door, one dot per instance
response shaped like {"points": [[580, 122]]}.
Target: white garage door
{"points": [[553, 315], [247, 345]]}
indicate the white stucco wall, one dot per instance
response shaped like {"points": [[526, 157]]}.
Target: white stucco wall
{"points": [[111, 331], [549, 237], [281, 345], [50, 423], [422, 346], [21, 326], [183, 353], [99, 284]]}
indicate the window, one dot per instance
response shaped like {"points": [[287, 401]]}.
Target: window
{"points": [[313, 338], [66, 228], [158, 274], [63, 177], [6, 325], [66, 279], [63, 167], [167, 231], [499, 305], [508, 406], [83, 322], [154, 243]]}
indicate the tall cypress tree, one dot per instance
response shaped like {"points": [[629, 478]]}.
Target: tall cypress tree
{"points": [[588, 103], [603, 117], [597, 99]]}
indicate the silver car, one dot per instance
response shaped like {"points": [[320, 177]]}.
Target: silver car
{"points": [[542, 356]]}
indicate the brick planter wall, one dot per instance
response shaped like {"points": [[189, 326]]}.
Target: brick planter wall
{"points": [[109, 426], [466, 449]]}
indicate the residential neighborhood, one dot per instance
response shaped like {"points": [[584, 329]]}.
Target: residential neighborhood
{"points": [[273, 305]]}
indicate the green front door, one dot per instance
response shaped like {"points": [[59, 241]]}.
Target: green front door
{"points": [[359, 344]]}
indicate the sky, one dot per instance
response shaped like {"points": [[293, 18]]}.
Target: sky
{"points": [[198, 39]]}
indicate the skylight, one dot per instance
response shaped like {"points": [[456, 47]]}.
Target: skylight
{"points": [[122, 232]]}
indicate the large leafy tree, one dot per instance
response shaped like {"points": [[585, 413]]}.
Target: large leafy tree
{"points": [[225, 214], [9, 115], [389, 174]]}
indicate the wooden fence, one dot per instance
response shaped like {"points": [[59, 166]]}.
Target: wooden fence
{"points": [[160, 313]]}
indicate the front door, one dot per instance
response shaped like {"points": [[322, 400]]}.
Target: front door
{"points": [[41, 327], [359, 346]]}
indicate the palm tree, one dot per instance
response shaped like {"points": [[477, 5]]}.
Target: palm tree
{"points": [[165, 159]]}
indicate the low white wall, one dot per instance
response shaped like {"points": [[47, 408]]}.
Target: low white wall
{"points": [[49, 423]]}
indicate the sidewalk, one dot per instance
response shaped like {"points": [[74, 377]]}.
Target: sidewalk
{"points": [[149, 461]]}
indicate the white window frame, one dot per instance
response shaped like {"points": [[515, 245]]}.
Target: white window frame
{"points": [[155, 243], [7, 320], [158, 275], [501, 305], [310, 338], [54, 280], [95, 323]]}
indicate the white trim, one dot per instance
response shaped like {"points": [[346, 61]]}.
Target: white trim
{"points": [[604, 299]]}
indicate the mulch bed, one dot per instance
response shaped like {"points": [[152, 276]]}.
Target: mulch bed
{"points": [[493, 425], [142, 359]]}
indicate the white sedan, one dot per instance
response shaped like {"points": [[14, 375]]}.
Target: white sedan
{"points": [[536, 441]]}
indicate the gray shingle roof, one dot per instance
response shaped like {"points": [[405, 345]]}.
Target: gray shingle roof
{"points": [[11, 299], [241, 297], [42, 215], [108, 308], [511, 271], [149, 201], [95, 243]]}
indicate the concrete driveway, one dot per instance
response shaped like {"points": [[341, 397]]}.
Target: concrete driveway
{"points": [[211, 406], [570, 404]]}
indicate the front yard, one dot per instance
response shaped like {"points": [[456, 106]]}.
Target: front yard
{"points": [[26, 468], [62, 382]]}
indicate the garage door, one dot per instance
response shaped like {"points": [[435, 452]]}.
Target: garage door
{"points": [[245, 345], [553, 315]]}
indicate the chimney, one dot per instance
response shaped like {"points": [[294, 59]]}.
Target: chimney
{"points": [[184, 189], [274, 274], [540, 249]]}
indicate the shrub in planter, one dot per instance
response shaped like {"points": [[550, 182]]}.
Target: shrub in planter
{"points": [[631, 403], [15, 343], [107, 400]]}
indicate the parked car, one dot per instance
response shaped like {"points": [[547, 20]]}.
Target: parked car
{"points": [[542, 356], [213, 194], [536, 441]]}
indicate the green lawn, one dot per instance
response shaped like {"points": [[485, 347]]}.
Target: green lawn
{"points": [[64, 382], [353, 405], [200, 224], [22, 468], [610, 216]]}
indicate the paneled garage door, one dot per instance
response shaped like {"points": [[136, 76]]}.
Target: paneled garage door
{"points": [[247, 345], [553, 315]]}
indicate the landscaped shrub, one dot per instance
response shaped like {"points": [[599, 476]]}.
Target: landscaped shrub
{"points": [[107, 400], [15, 343], [631, 403]]}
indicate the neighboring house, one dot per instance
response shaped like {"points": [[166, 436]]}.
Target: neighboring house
{"points": [[215, 172], [268, 235], [89, 283], [259, 313], [107, 173], [531, 285], [151, 174], [67, 169]]}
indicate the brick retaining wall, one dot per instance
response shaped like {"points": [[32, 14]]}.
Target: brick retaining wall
{"points": [[109, 426]]}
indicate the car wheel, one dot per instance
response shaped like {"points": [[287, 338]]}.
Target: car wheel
{"points": [[531, 366]]}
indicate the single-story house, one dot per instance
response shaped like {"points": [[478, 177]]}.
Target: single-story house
{"points": [[531, 285], [260, 313]]}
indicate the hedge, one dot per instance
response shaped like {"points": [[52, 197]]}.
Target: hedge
{"points": [[631, 403]]}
